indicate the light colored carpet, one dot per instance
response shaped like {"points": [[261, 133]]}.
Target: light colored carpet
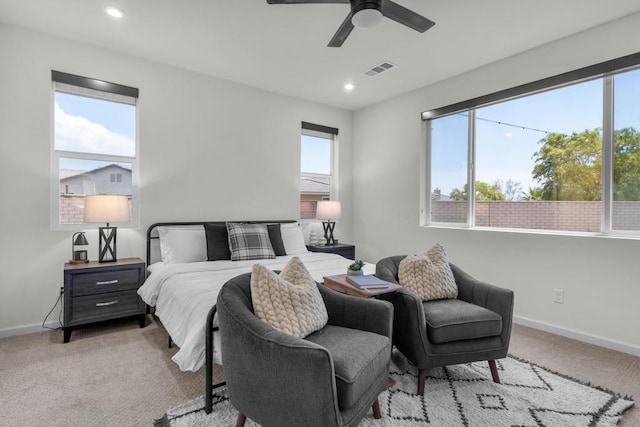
{"points": [[460, 395], [120, 375]]}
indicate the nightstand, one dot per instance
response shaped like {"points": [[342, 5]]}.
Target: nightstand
{"points": [[347, 251], [95, 291]]}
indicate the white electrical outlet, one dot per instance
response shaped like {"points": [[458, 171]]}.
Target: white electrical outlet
{"points": [[59, 289], [558, 296]]}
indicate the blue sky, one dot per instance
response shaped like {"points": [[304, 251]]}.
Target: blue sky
{"points": [[316, 155], [89, 125], [504, 152]]}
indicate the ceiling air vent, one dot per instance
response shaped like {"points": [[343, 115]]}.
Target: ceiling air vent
{"points": [[380, 68]]}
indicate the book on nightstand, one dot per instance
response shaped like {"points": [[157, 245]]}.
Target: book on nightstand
{"points": [[367, 282]]}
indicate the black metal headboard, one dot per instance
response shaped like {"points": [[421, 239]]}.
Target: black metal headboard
{"points": [[152, 233]]}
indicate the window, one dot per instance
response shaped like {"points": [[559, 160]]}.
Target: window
{"points": [[94, 148], [317, 176], [541, 156], [449, 157], [626, 152]]}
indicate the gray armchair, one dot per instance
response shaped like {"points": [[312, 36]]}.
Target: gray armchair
{"points": [[476, 326], [330, 378]]}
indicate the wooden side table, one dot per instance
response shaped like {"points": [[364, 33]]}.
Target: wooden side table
{"points": [[102, 291], [347, 251], [339, 283]]}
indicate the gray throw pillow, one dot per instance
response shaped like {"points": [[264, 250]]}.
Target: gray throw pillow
{"points": [[249, 241]]}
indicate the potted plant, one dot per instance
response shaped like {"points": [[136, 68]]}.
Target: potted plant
{"points": [[355, 269]]}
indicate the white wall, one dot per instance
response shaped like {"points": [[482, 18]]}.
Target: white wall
{"points": [[209, 150], [600, 276]]}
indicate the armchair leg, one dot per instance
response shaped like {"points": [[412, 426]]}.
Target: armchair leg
{"points": [[376, 410], [494, 371], [421, 375], [241, 419]]}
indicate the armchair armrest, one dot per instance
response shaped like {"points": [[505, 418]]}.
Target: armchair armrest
{"points": [[492, 297], [365, 314], [409, 324]]}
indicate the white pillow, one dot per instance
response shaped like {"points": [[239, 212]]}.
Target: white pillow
{"points": [[291, 301], [428, 275], [182, 244], [293, 240]]}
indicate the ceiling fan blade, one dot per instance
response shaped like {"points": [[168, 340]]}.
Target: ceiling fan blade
{"points": [[404, 16], [305, 1], [343, 32]]}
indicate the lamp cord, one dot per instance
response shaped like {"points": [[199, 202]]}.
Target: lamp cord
{"points": [[51, 311]]}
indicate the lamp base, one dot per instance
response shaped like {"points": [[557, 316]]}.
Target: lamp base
{"points": [[328, 227], [107, 246]]}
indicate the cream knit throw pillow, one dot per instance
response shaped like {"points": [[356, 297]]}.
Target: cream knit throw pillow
{"points": [[291, 301], [428, 275]]}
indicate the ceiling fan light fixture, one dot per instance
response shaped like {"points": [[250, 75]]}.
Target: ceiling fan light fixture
{"points": [[366, 18], [114, 12]]}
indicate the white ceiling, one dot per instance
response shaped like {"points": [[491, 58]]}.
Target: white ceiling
{"points": [[282, 48]]}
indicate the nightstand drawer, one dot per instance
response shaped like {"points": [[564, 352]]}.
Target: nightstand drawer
{"points": [[105, 306], [105, 281]]}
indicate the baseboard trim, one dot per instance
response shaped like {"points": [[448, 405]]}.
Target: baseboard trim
{"points": [[27, 329], [578, 335]]}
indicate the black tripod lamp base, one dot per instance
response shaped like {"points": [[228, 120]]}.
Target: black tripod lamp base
{"points": [[107, 246], [328, 227]]}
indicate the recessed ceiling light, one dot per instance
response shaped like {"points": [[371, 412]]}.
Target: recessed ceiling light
{"points": [[114, 12], [348, 87]]}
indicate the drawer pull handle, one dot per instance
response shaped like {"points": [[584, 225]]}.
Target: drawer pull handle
{"points": [[108, 282], [104, 304]]}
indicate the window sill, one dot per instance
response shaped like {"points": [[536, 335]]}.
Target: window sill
{"points": [[629, 235]]}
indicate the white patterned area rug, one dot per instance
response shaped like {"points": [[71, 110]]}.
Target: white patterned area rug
{"points": [[460, 395]]}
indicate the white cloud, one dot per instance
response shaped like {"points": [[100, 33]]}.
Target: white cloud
{"points": [[76, 133]]}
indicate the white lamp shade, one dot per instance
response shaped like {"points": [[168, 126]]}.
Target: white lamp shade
{"points": [[329, 210], [106, 208]]}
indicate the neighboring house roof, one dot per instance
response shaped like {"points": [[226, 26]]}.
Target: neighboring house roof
{"points": [[314, 185], [67, 174], [437, 195]]}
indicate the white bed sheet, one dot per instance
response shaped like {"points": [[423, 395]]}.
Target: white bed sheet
{"points": [[183, 294]]}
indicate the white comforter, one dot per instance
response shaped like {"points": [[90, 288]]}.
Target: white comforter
{"points": [[183, 294]]}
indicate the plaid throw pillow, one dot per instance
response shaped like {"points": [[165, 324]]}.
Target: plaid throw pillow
{"points": [[249, 241]]}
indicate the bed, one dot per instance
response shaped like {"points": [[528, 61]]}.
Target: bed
{"points": [[183, 285]]}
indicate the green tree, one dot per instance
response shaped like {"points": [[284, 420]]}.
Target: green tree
{"points": [[626, 166], [534, 194], [484, 191], [569, 167]]}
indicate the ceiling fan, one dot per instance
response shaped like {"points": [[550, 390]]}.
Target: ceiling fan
{"points": [[367, 13]]}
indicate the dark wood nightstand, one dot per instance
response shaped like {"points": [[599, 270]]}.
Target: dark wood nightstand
{"points": [[347, 251], [95, 291]]}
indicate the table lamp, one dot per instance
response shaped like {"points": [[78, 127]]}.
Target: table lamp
{"points": [[107, 208], [78, 257], [329, 211]]}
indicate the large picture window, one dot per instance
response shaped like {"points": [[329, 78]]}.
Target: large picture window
{"points": [[94, 148], [545, 160]]}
